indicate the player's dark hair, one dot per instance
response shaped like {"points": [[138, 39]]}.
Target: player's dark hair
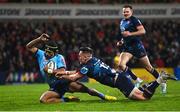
{"points": [[86, 49], [52, 46], [128, 6]]}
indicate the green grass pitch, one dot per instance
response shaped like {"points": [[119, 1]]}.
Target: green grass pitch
{"points": [[26, 98]]}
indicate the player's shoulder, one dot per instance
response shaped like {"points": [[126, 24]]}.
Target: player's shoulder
{"points": [[95, 60], [60, 56], [134, 18], [39, 51]]}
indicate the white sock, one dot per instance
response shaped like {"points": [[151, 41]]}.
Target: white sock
{"points": [[164, 86], [159, 80], [139, 80]]}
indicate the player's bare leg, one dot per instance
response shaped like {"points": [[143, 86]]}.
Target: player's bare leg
{"points": [[53, 97], [124, 59], [147, 65], [137, 95], [79, 87], [50, 97]]}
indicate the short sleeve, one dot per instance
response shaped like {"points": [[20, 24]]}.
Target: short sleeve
{"points": [[39, 53], [136, 22], [84, 70], [61, 62]]}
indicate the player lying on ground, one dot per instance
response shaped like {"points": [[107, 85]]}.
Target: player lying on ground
{"points": [[98, 70], [58, 87]]}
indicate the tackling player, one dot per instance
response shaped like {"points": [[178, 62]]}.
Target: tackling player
{"points": [[49, 62], [98, 70], [131, 45]]}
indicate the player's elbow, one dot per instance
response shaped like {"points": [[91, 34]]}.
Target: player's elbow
{"points": [[28, 46]]}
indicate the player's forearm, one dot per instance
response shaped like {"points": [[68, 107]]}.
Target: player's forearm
{"points": [[33, 43], [72, 77], [69, 77], [58, 73]]}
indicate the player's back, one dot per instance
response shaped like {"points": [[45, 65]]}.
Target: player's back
{"points": [[100, 71]]}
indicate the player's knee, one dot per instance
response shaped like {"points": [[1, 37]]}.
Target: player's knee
{"points": [[42, 100], [122, 66], [149, 68], [146, 93], [138, 95]]}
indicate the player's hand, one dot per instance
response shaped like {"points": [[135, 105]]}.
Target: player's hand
{"points": [[126, 33], [59, 77], [59, 74], [120, 43], [44, 37]]}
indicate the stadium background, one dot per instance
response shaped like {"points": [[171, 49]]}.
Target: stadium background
{"points": [[74, 23]]}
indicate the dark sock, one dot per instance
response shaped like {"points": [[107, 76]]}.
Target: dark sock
{"points": [[155, 73], [149, 89], [134, 77], [91, 92], [66, 99], [94, 92]]}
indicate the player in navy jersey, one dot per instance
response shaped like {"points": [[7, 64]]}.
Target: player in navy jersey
{"points": [[49, 62], [131, 30], [101, 72]]}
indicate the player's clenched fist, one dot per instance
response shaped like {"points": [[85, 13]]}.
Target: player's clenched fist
{"points": [[44, 37]]}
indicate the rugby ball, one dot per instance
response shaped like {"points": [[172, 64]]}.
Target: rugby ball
{"points": [[51, 66]]}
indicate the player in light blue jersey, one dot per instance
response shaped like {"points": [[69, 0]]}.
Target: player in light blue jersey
{"points": [[101, 72], [49, 63], [131, 45]]}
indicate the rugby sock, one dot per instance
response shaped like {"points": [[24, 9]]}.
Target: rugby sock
{"points": [[70, 99], [149, 89], [134, 77], [154, 73], [163, 87], [94, 92]]}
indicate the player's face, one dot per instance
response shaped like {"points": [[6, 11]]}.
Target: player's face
{"points": [[127, 13], [83, 57], [49, 53]]}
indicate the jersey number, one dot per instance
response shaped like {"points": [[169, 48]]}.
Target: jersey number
{"points": [[104, 65]]}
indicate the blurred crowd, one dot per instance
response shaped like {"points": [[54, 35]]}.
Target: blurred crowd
{"points": [[161, 41], [90, 1]]}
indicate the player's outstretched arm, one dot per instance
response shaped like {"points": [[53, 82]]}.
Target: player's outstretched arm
{"points": [[72, 77], [59, 73], [31, 45]]}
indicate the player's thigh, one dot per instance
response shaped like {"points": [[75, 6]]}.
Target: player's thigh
{"points": [[124, 84], [124, 58], [76, 87], [146, 63], [49, 94]]}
